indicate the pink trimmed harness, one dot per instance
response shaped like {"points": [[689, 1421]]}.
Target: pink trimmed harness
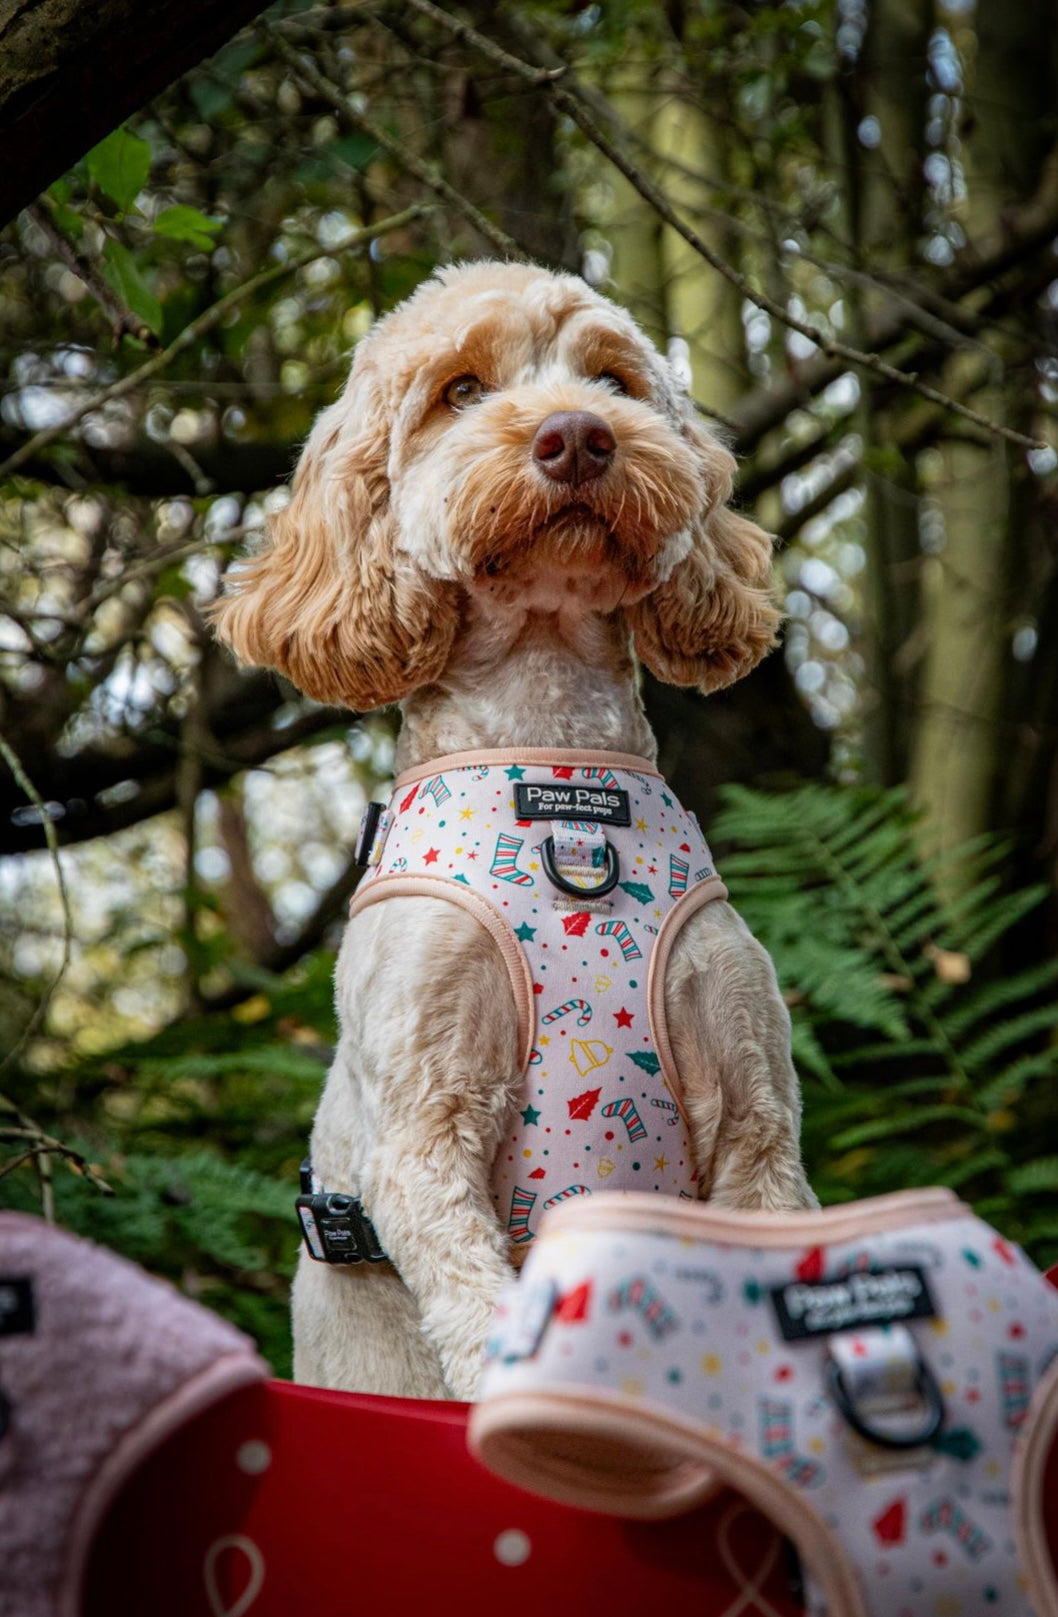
{"points": [[583, 867], [880, 1379]]}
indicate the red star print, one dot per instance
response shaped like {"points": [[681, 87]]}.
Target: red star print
{"points": [[431, 858], [623, 1017], [562, 772]]}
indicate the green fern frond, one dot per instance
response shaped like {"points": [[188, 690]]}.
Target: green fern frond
{"points": [[1033, 1177], [870, 936]]}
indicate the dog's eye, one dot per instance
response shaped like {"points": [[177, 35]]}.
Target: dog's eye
{"points": [[612, 379], [465, 390]]}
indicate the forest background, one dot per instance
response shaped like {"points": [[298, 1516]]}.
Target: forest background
{"points": [[839, 219]]}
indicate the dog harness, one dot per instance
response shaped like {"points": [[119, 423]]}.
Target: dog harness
{"points": [[880, 1379], [583, 867]]}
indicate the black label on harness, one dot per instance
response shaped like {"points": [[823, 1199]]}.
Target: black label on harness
{"points": [[806, 1308], [17, 1315], [558, 801]]}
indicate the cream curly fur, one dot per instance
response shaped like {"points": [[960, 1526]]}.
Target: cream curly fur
{"points": [[426, 558]]}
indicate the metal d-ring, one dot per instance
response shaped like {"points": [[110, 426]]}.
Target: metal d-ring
{"points": [[925, 1386], [607, 885]]}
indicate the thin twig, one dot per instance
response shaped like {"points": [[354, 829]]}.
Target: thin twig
{"points": [[46, 1145], [567, 97], [197, 328], [14, 763], [347, 113], [43, 1147], [121, 317]]}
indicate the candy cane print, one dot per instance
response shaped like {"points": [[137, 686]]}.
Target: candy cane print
{"points": [[945, 1516], [626, 1111], [668, 1106], [518, 1219], [1013, 1371], [505, 861], [643, 1297], [435, 787], [564, 1195], [560, 1011], [625, 941], [679, 870], [777, 1445], [605, 777]]}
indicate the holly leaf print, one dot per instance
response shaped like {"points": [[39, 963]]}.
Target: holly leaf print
{"points": [[645, 1059], [638, 890], [576, 925], [582, 1106]]}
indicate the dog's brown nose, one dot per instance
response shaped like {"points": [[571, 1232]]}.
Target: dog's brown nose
{"points": [[573, 446]]}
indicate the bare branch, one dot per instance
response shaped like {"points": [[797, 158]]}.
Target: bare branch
{"points": [[347, 113], [197, 328], [568, 97]]}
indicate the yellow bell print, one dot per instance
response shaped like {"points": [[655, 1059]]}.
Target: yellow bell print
{"points": [[588, 1054]]}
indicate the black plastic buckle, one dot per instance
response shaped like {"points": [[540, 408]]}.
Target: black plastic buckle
{"points": [[368, 827], [334, 1225]]}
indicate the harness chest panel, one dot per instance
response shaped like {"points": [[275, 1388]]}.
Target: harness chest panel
{"points": [[600, 1106], [812, 1409]]}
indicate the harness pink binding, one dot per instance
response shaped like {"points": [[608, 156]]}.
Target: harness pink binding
{"points": [[583, 867], [881, 1380]]}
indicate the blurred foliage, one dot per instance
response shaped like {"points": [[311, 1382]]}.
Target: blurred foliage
{"points": [[922, 1064], [199, 1131]]}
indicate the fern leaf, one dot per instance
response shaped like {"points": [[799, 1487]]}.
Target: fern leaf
{"points": [[1039, 1019], [1032, 1178], [1011, 1083], [994, 996], [889, 1127]]}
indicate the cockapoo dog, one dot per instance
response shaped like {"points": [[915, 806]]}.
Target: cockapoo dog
{"points": [[510, 497]]}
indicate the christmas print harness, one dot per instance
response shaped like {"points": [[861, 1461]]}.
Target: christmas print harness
{"points": [[583, 867], [881, 1380]]}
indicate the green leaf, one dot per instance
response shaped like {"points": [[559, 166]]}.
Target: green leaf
{"points": [[121, 272], [884, 1128], [639, 891], [1033, 1177], [182, 223], [120, 166], [354, 151]]}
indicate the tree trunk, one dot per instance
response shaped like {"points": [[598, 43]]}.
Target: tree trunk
{"points": [[884, 99], [70, 72], [960, 751]]}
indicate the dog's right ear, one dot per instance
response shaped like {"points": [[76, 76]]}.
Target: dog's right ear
{"points": [[329, 602]]}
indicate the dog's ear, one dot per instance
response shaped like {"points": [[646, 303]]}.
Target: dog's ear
{"points": [[714, 617], [330, 602]]}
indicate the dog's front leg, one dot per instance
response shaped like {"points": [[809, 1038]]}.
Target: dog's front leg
{"points": [[437, 1048], [730, 1035]]}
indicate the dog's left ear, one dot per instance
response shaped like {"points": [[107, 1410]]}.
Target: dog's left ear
{"points": [[714, 617]]}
